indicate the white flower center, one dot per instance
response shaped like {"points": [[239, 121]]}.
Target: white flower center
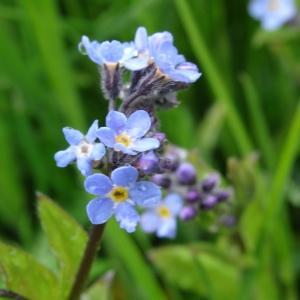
{"points": [[84, 149], [274, 5]]}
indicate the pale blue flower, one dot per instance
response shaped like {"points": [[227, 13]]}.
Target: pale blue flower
{"points": [[118, 196], [82, 148], [111, 53], [159, 48], [127, 134], [272, 13], [162, 218]]}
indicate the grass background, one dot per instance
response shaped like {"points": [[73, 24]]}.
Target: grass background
{"points": [[246, 105]]}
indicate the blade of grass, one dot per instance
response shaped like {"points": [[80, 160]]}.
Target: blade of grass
{"points": [[214, 76], [260, 128]]}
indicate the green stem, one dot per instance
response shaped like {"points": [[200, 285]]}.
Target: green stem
{"points": [[87, 260]]}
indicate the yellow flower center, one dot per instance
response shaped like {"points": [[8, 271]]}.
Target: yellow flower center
{"points": [[119, 194], [273, 5], [123, 139], [164, 212]]}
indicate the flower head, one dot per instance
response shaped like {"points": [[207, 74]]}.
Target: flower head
{"points": [[162, 218], [126, 134], [118, 195], [272, 13], [82, 148], [159, 48]]}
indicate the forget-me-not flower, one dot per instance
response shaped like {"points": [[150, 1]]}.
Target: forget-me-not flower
{"points": [[82, 148], [118, 195], [272, 13], [162, 219], [160, 49], [111, 53], [127, 134]]}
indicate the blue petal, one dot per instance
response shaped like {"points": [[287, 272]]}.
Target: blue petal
{"points": [[84, 164], [145, 193], [92, 132], [138, 63], [111, 52], [106, 136], [145, 144], [99, 210], [127, 217], [149, 221], [174, 202], [91, 49], [125, 150], [72, 136], [141, 39], [124, 176], [116, 121], [167, 228], [65, 157], [98, 184], [98, 151], [138, 123]]}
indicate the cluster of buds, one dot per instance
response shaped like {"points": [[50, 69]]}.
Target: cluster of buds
{"points": [[123, 160]]}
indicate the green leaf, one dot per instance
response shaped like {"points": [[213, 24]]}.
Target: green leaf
{"points": [[100, 289], [197, 269], [66, 238], [25, 275]]}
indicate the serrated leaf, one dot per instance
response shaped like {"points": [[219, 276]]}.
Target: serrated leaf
{"points": [[66, 238], [196, 269], [23, 274]]}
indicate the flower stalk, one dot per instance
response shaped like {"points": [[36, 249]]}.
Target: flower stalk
{"points": [[92, 246]]}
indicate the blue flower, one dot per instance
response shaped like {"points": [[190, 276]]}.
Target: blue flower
{"points": [[272, 13], [162, 218], [82, 148], [126, 135], [118, 195], [111, 53], [160, 49]]}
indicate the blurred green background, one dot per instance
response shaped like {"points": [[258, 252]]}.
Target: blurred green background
{"points": [[242, 116]]}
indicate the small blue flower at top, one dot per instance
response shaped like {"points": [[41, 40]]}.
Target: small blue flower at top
{"points": [[118, 195], [127, 134], [111, 53], [82, 148], [160, 49], [272, 13], [162, 219]]}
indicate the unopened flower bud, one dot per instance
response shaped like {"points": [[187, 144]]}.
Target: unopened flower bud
{"points": [[228, 220], [209, 202], [186, 174], [193, 196], [222, 196], [168, 163], [162, 180], [210, 182], [187, 213], [148, 162]]}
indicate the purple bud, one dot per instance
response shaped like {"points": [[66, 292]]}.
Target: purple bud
{"points": [[187, 213], [160, 136], [168, 163], [162, 180], [193, 196], [209, 183], [148, 162], [186, 174], [209, 202], [222, 196]]}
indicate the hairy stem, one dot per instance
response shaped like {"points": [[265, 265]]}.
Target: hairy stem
{"points": [[87, 260]]}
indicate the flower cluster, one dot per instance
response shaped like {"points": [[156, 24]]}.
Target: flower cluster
{"points": [[125, 161], [273, 13]]}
